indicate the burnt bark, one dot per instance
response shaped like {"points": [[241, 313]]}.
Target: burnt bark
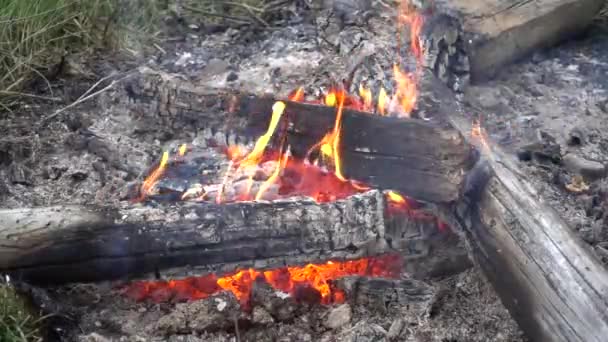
{"points": [[474, 40], [549, 280], [380, 151], [387, 295], [71, 244]]}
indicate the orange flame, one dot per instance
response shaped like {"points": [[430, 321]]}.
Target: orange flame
{"points": [[288, 280], [403, 100], [479, 136], [406, 93], [153, 178], [298, 95]]}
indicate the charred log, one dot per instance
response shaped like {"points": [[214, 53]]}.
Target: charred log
{"points": [[386, 295], [466, 39], [71, 244], [552, 284], [379, 151], [548, 279]]}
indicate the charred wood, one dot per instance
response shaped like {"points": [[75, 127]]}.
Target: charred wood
{"points": [[474, 39], [379, 151], [71, 244], [548, 279], [386, 295]]}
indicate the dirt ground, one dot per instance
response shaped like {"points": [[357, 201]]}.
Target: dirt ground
{"points": [[551, 110]]}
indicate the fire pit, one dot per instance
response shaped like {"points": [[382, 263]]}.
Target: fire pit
{"points": [[307, 209]]}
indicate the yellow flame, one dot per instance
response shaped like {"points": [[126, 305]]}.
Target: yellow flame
{"points": [[330, 99], [281, 163], [366, 96], [182, 150], [254, 157], [251, 160], [382, 101], [336, 140], [395, 197]]}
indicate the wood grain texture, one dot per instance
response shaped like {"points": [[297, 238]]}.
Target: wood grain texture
{"points": [[427, 161], [552, 284], [477, 38], [133, 241]]}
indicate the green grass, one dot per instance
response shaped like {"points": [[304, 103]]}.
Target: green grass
{"points": [[17, 322], [35, 34]]}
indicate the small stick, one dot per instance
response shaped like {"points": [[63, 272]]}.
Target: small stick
{"points": [[236, 329], [83, 98]]}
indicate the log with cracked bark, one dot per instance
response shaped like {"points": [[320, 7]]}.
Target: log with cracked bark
{"points": [[379, 151], [555, 288], [74, 243], [474, 39]]}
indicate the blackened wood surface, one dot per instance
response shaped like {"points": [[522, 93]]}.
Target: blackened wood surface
{"points": [[80, 244], [552, 284], [477, 38], [385, 294], [427, 161], [424, 160]]}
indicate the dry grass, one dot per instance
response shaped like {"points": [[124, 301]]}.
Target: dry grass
{"points": [[237, 12], [35, 34], [17, 322]]}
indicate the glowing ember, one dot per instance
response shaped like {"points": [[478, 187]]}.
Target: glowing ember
{"points": [[321, 179], [287, 279]]}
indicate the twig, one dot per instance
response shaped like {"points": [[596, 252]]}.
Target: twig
{"points": [[236, 329], [41, 97], [160, 49], [94, 86], [202, 12], [83, 98]]}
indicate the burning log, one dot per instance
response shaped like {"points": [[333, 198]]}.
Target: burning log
{"points": [[70, 244], [475, 39], [377, 150]]}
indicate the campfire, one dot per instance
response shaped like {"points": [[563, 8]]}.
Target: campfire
{"points": [[280, 203], [269, 171]]}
